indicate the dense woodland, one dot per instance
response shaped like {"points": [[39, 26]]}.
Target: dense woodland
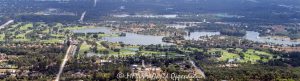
{"points": [[278, 69], [33, 61]]}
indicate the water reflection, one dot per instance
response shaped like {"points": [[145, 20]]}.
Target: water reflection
{"points": [[130, 38], [138, 39], [254, 36]]}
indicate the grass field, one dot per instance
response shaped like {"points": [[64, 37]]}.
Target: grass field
{"points": [[84, 47], [19, 30], [124, 51], [100, 47], [15, 25], [21, 36], [58, 35], [150, 52], [250, 55], [25, 27], [52, 41], [253, 55], [46, 31], [225, 55], [2, 37]]}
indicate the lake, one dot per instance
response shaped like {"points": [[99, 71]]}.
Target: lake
{"points": [[254, 36], [250, 35], [130, 38], [138, 39], [146, 16]]}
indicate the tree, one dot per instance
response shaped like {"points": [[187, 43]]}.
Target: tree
{"points": [[95, 36]]}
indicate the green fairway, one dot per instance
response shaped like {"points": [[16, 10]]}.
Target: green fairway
{"points": [[58, 35], [2, 37], [100, 47], [46, 31], [25, 27], [84, 47], [20, 36], [225, 55], [52, 41], [254, 55], [150, 52], [250, 55], [250, 58], [257, 52]]}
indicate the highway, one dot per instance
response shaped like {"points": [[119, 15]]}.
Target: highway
{"points": [[7, 23], [82, 16], [197, 69], [71, 51]]}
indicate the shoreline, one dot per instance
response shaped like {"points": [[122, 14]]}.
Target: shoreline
{"points": [[284, 38]]}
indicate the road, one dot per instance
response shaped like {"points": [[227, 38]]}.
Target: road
{"points": [[197, 69], [82, 16], [95, 3], [7, 23], [71, 50]]}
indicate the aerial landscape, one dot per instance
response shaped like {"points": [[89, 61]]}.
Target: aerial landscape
{"points": [[149, 40]]}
